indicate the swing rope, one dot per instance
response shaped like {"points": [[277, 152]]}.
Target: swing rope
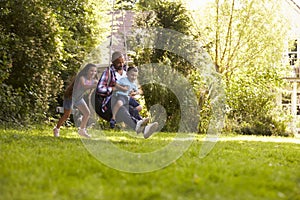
{"points": [[111, 37], [111, 41], [111, 32], [124, 32]]}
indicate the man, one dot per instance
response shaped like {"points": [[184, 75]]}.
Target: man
{"points": [[104, 90], [120, 70]]}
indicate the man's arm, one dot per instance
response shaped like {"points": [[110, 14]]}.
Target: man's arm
{"points": [[103, 87]]}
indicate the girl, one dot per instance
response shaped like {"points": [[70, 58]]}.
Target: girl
{"points": [[86, 79]]}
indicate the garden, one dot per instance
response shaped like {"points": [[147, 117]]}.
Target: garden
{"points": [[211, 76]]}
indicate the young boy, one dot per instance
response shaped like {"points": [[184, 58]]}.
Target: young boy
{"points": [[126, 87]]}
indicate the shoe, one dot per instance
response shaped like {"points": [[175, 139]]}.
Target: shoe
{"points": [[112, 123], [56, 132], [150, 129], [140, 125], [83, 133]]}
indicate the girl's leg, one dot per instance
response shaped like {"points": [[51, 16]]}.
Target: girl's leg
{"points": [[67, 104], [83, 108], [60, 122], [63, 118]]}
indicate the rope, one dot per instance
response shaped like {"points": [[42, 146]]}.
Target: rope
{"points": [[112, 29], [124, 34], [111, 40]]}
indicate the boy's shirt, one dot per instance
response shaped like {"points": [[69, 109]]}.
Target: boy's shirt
{"points": [[125, 82]]}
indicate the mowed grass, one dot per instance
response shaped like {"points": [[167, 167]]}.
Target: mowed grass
{"points": [[35, 165]]}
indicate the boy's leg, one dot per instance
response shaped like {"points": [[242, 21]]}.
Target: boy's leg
{"points": [[135, 108], [123, 114]]}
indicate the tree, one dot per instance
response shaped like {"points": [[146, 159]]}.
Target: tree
{"points": [[173, 16], [246, 40], [125, 4], [31, 48], [42, 43]]}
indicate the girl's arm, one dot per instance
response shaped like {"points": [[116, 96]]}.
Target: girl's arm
{"points": [[86, 86]]}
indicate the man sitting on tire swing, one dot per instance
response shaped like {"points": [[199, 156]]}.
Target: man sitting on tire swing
{"points": [[104, 91]]}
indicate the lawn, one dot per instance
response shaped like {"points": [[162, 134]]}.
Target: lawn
{"points": [[35, 165]]}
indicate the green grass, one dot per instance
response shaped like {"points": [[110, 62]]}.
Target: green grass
{"points": [[35, 165]]}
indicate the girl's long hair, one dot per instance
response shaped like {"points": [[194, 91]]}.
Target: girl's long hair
{"points": [[85, 70], [69, 90], [75, 78]]}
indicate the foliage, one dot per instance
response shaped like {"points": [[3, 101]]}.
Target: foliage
{"points": [[42, 43], [124, 4], [11, 111], [252, 103], [167, 15], [82, 33], [245, 40], [32, 47], [5, 61], [202, 95]]}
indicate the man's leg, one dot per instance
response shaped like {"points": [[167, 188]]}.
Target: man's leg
{"points": [[116, 103], [124, 116], [116, 108]]}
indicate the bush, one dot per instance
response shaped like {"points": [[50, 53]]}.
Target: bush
{"points": [[41, 44], [15, 108], [266, 126]]}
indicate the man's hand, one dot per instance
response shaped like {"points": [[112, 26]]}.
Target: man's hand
{"points": [[121, 87], [133, 93]]}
